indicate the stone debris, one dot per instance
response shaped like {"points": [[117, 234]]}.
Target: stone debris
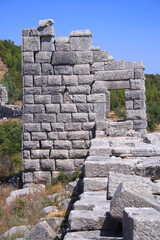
{"points": [[49, 209], [15, 231], [46, 22]]}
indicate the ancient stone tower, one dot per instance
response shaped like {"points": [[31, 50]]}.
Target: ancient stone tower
{"points": [[66, 91]]}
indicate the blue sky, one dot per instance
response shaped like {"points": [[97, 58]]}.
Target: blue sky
{"points": [[128, 29]]}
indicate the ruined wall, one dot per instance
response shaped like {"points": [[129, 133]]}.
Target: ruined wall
{"points": [[66, 84]]}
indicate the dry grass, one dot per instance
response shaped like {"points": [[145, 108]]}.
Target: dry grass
{"points": [[17, 120]]}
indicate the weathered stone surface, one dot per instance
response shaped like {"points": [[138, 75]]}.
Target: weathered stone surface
{"points": [[63, 58], [136, 114], [31, 44], [47, 164], [81, 33], [28, 81], [100, 56], [117, 84], [58, 144], [40, 154], [78, 135], [59, 154], [43, 57], [42, 177], [65, 165], [141, 223], [72, 126], [127, 195], [114, 65], [83, 57], [81, 69], [70, 80], [47, 69], [114, 75], [44, 118], [66, 70], [47, 43], [28, 57], [85, 79], [31, 69], [45, 22], [94, 184], [80, 43], [17, 230]]}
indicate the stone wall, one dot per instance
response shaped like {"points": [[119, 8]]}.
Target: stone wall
{"points": [[66, 83]]}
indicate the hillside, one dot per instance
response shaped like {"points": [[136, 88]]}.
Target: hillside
{"points": [[3, 69]]}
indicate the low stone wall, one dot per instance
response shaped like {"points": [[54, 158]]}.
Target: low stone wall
{"points": [[10, 111]]}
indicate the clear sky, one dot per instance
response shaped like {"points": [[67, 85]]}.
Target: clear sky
{"points": [[128, 29]]}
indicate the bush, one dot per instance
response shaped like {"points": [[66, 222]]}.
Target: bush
{"points": [[153, 113]]}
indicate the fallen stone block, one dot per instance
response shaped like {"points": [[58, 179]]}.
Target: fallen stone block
{"points": [[127, 195], [94, 184], [141, 223], [16, 231]]}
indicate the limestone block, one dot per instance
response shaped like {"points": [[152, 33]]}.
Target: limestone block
{"points": [[79, 117], [28, 57], [42, 99], [32, 90], [27, 177], [139, 124], [88, 126], [62, 136], [34, 108], [82, 89], [57, 98], [62, 46], [95, 48], [46, 144], [68, 108], [117, 84], [46, 31], [26, 154], [130, 65], [72, 126], [78, 98], [134, 94], [63, 58], [129, 105], [28, 99], [141, 223], [85, 79], [58, 144], [44, 118], [52, 108], [25, 32], [31, 44], [78, 164], [62, 40], [138, 73], [31, 69], [45, 22], [91, 117], [70, 80], [127, 195], [46, 127], [94, 184], [81, 33], [47, 164], [28, 81], [47, 69], [114, 75], [42, 177], [26, 137], [80, 43], [59, 154], [16, 230], [139, 104], [37, 136], [103, 125], [43, 57], [137, 84], [31, 127], [47, 44], [136, 114], [80, 144], [65, 165], [81, 69], [99, 87], [66, 70], [78, 135], [97, 66], [64, 117], [114, 65], [85, 107], [100, 56], [28, 145], [40, 81], [80, 153], [39, 154], [83, 57], [52, 136], [96, 98], [57, 127], [30, 165]]}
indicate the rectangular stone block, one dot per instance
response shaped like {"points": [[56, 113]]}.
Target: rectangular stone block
{"points": [[25, 32], [52, 135], [26, 137], [31, 165], [46, 144], [26, 154], [64, 117], [52, 108], [34, 108], [78, 153], [40, 154], [59, 154], [32, 90], [57, 127], [42, 99], [79, 117], [88, 126], [63, 70], [65, 165], [64, 58], [27, 177], [114, 65], [96, 98], [47, 164], [53, 90], [134, 94], [100, 56], [31, 69], [64, 144], [62, 46], [40, 81], [47, 69], [139, 104], [43, 57], [99, 87], [56, 98], [28, 81], [83, 57], [78, 98], [114, 75], [37, 136], [137, 84], [78, 135], [46, 31], [28, 57], [31, 127], [129, 105], [28, 99], [70, 80], [80, 144], [117, 84], [28, 145], [54, 80], [136, 114], [85, 107], [31, 44], [44, 118], [81, 69], [139, 124], [85, 79], [27, 118], [42, 177], [80, 43], [138, 73], [47, 44], [85, 89], [97, 66], [46, 127], [137, 65], [68, 108], [62, 135], [72, 126]]}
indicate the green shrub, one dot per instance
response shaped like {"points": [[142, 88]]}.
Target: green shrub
{"points": [[153, 113], [64, 178]]}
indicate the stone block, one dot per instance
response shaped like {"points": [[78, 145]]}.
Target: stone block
{"points": [[26, 154], [129, 105], [135, 114], [80, 153], [58, 144], [134, 94], [62, 46], [43, 57], [63, 70], [59, 154], [31, 44], [65, 165], [138, 73], [84, 89], [100, 56], [42, 99], [64, 117], [70, 80], [56, 98], [114, 65], [62, 135], [137, 65], [91, 117], [78, 164], [85, 107], [83, 57], [78, 135], [64, 58], [46, 127], [127, 195], [81, 33], [139, 104], [80, 144], [72, 126], [46, 31], [80, 43], [94, 184], [42, 177], [37, 136], [25, 32], [31, 69], [97, 66], [85, 79], [28, 99], [34, 108], [141, 223], [26, 137], [30, 165], [78, 98], [40, 81], [47, 144], [47, 164], [54, 80], [52, 108], [27, 177], [28, 81], [88, 126], [117, 84], [114, 75], [137, 84], [28, 145], [102, 125], [95, 48], [81, 69], [28, 57], [79, 117], [52, 136], [96, 98], [57, 127], [31, 127], [47, 69], [68, 108], [47, 44], [39, 154], [139, 124], [99, 87], [44, 118]]}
